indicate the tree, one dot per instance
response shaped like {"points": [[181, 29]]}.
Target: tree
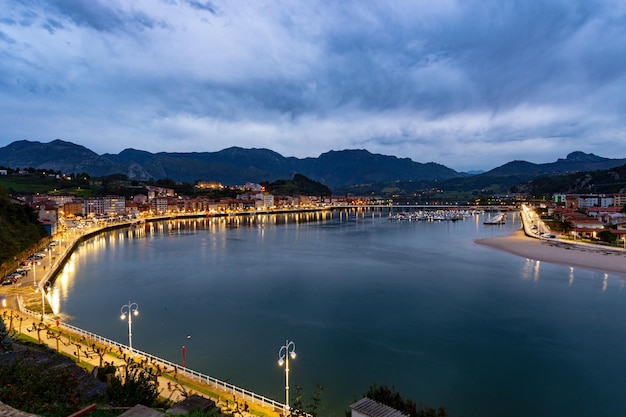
{"points": [[607, 236], [299, 409], [19, 229], [392, 398], [134, 386], [6, 343], [298, 185], [561, 225]]}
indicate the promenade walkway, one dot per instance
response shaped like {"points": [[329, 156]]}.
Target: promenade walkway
{"points": [[27, 312], [174, 382]]}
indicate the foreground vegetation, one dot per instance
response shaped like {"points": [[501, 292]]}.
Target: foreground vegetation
{"points": [[39, 380], [19, 228], [392, 398], [598, 182]]}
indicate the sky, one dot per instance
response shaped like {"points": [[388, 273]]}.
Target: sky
{"points": [[470, 84]]}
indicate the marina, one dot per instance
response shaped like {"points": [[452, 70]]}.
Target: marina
{"points": [[434, 215]]}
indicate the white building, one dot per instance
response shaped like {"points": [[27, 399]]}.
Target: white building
{"points": [[595, 200], [619, 200], [93, 207], [159, 205], [114, 205], [268, 200]]}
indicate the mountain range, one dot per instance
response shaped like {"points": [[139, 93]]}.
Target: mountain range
{"points": [[234, 165]]}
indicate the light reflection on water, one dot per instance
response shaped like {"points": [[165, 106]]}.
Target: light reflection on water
{"points": [[416, 305]]}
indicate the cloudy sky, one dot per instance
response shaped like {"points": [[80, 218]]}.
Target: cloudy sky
{"points": [[471, 84]]}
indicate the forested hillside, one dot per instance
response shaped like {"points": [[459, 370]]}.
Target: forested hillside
{"points": [[298, 185], [606, 181], [19, 227]]}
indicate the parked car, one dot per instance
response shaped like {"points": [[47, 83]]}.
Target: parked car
{"points": [[8, 280]]}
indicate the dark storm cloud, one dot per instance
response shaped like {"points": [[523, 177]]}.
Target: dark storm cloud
{"points": [[102, 15], [52, 25], [203, 5], [93, 14], [489, 54], [500, 80]]}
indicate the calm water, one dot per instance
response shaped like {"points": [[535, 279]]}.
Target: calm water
{"points": [[416, 305]]}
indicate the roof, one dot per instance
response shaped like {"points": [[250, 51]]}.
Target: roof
{"points": [[372, 408]]}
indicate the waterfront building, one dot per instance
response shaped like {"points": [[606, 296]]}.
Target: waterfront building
{"points": [[132, 208], [73, 208], [268, 200], [113, 205], [93, 207], [159, 205]]}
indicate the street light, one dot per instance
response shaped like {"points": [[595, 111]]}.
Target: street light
{"points": [[286, 351], [34, 265], [130, 309], [44, 290]]}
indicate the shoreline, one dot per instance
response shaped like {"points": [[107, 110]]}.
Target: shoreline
{"points": [[559, 252]]}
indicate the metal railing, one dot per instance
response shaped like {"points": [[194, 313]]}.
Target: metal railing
{"points": [[189, 373]]}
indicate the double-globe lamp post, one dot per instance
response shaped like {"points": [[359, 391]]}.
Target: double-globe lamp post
{"points": [[130, 309], [284, 353]]}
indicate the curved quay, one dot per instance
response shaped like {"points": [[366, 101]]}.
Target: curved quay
{"points": [[226, 395], [89, 344], [85, 346]]}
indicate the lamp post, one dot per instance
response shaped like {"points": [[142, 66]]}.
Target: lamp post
{"points": [[34, 265], [44, 290], [286, 351], [130, 309]]}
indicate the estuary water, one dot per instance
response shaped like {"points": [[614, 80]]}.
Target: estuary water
{"points": [[366, 300]]}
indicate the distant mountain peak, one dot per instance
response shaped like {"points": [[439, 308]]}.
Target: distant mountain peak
{"points": [[236, 165], [579, 156]]}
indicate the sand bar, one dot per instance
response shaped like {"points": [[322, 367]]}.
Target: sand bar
{"points": [[561, 252]]}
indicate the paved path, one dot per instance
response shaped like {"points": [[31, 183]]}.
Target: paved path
{"points": [[26, 294], [89, 354]]}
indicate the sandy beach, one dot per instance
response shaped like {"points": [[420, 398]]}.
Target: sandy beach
{"points": [[564, 253]]}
